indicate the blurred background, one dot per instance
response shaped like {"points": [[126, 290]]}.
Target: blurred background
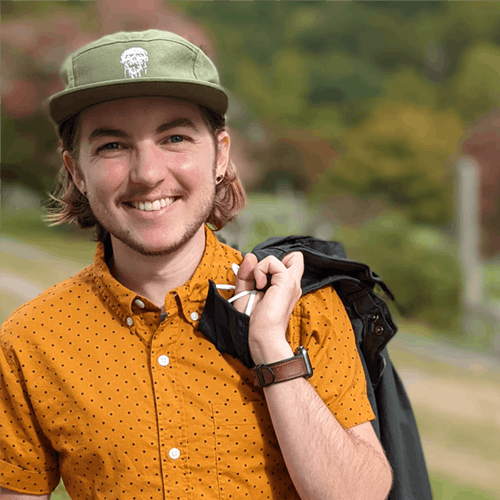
{"points": [[372, 123]]}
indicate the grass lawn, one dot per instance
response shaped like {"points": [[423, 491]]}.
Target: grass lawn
{"points": [[447, 489]]}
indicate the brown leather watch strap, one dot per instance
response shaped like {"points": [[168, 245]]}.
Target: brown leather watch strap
{"points": [[288, 369]]}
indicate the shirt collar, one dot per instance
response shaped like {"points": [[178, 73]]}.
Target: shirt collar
{"points": [[214, 265]]}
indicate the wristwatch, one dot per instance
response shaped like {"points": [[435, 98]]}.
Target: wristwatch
{"points": [[280, 371]]}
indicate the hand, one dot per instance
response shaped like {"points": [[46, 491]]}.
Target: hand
{"points": [[271, 310]]}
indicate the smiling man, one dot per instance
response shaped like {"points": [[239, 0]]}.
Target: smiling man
{"points": [[107, 378], [150, 180]]}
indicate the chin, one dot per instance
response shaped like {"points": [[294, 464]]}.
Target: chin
{"points": [[148, 249], [159, 241], [153, 247]]}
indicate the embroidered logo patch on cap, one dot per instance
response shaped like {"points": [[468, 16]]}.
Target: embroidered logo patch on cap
{"points": [[134, 62]]}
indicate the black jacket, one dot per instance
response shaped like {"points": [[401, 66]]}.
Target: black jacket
{"points": [[327, 263]]}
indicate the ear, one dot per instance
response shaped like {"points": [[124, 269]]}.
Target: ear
{"points": [[223, 148], [74, 171]]}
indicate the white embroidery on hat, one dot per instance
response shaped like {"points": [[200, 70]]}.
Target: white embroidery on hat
{"points": [[134, 62]]}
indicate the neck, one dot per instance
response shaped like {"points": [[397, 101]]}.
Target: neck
{"points": [[154, 276]]}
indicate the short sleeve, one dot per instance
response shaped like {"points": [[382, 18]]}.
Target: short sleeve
{"points": [[323, 326], [28, 462]]}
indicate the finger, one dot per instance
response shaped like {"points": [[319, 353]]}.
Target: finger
{"points": [[245, 278], [269, 265], [294, 262], [245, 281]]}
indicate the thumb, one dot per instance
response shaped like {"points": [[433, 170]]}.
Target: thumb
{"points": [[294, 262]]}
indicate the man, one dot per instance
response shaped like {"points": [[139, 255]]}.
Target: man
{"points": [[107, 380]]}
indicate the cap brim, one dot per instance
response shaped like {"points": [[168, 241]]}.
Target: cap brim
{"points": [[68, 103]]}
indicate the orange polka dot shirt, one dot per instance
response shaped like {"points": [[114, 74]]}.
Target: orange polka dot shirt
{"points": [[99, 389]]}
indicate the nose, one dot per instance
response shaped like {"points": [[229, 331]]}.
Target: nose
{"points": [[148, 165]]}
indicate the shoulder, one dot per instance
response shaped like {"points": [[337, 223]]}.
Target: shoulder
{"points": [[320, 317], [228, 255], [35, 315], [324, 301]]}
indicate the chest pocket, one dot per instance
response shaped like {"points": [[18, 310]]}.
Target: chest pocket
{"points": [[248, 456]]}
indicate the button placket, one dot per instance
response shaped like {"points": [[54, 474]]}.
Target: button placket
{"points": [[165, 375]]}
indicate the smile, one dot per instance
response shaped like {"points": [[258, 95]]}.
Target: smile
{"points": [[152, 206]]}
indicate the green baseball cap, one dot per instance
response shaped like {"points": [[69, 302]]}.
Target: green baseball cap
{"points": [[137, 64]]}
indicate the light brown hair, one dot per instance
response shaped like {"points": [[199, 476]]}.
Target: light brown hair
{"points": [[70, 205]]}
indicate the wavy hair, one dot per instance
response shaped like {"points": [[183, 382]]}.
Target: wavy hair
{"points": [[69, 205]]}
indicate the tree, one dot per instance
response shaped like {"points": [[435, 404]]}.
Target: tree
{"points": [[400, 150]]}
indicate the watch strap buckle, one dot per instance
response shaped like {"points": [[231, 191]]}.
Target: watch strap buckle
{"points": [[261, 371]]}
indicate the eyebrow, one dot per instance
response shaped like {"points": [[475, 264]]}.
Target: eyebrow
{"points": [[114, 132]]}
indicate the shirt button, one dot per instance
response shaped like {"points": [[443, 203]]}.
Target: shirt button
{"points": [[194, 316], [140, 303], [130, 321], [164, 360], [174, 453]]}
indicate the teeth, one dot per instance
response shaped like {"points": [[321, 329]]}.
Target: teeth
{"points": [[149, 206]]}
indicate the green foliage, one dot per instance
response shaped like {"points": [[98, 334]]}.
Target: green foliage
{"points": [[475, 89], [418, 263], [28, 156], [400, 150], [285, 90], [407, 85], [492, 281]]}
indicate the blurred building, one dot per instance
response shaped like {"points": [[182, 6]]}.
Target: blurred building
{"points": [[483, 143]]}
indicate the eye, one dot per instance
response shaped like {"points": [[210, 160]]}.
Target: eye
{"points": [[176, 139], [110, 146]]}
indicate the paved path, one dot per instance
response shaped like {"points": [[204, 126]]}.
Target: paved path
{"points": [[18, 286], [444, 352], [27, 271], [454, 393], [13, 246]]}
